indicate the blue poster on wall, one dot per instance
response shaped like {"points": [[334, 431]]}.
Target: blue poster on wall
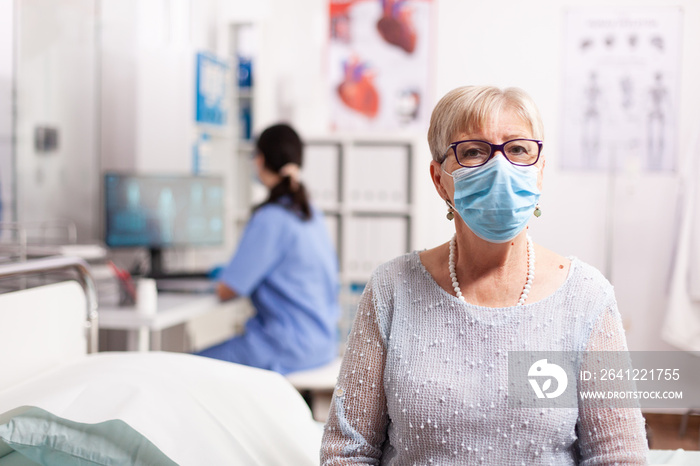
{"points": [[212, 77]]}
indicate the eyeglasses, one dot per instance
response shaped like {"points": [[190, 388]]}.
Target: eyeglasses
{"points": [[473, 153]]}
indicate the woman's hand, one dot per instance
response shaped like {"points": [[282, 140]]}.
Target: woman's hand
{"points": [[224, 292]]}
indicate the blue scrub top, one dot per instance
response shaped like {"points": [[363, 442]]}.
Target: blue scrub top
{"points": [[288, 268]]}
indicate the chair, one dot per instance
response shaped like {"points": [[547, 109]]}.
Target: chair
{"points": [[316, 386]]}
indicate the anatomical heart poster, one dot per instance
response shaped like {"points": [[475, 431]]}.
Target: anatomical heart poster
{"points": [[621, 88], [379, 64]]}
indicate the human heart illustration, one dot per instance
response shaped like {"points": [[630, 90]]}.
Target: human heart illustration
{"points": [[357, 90], [396, 26]]}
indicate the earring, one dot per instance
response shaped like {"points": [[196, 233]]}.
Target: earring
{"points": [[538, 211], [450, 213]]}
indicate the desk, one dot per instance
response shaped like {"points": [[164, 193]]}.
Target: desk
{"points": [[173, 309]]}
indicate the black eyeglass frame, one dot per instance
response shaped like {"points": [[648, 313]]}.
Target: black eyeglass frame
{"points": [[494, 149]]}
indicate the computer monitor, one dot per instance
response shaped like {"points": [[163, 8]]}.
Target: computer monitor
{"points": [[163, 211]]}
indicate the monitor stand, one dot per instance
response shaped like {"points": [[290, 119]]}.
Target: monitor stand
{"points": [[156, 270]]}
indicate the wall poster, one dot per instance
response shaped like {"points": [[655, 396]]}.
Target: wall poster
{"points": [[211, 96], [379, 64], [621, 88]]}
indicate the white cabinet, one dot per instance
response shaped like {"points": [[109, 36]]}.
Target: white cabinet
{"points": [[363, 187], [376, 176]]}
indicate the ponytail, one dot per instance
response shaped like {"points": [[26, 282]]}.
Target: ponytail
{"points": [[282, 152], [296, 192]]}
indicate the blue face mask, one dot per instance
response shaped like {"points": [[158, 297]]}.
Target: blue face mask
{"points": [[497, 199]]}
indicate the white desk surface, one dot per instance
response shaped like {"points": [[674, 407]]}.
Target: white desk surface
{"points": [[173, 309], [674, 457]]}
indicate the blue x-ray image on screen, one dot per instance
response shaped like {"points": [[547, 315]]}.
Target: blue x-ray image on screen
{"points": [[160, 211]]}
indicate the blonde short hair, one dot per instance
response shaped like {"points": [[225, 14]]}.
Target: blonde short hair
{"points": [[470, 107]]}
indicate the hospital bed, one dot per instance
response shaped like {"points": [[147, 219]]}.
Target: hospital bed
{"points": [[61, 401]]}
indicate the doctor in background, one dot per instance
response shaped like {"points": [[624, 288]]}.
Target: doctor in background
{"points": [[286, 264]]}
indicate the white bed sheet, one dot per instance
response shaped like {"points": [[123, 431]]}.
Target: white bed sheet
{"points": [[196, 410]]}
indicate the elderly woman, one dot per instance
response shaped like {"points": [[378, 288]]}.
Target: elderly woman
{"points": [[425, 376]]}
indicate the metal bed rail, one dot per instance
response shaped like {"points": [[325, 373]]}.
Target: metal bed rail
{"points": [[63, 263], [16, 242], [17, 249]]}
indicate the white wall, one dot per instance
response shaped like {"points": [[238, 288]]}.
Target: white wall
{"points": [[118, 71], [6, 123], [55, 46], [147, 77]]}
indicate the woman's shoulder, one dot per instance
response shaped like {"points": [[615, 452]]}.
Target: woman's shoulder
{"points": [[405, 269], [590, 288], [569, 270], [272, 221], [584, 272], [393, 278], [274, 212]]}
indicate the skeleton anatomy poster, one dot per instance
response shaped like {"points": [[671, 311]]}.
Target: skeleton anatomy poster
{"points": [[379, 64], [621, 92]]}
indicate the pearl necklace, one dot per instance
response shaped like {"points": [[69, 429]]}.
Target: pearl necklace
{"points": [[530, 270]]}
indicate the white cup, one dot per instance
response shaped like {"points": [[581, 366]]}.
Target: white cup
{"points": [[146, 296]]}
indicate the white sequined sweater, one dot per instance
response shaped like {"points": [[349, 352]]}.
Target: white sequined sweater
{"points": [[424, 377]]}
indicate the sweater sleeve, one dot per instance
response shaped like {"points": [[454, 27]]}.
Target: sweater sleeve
{"points": [[357, 424], [608, 433]]}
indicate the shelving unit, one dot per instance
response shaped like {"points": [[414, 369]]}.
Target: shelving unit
{"points": [[363, 186]]}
